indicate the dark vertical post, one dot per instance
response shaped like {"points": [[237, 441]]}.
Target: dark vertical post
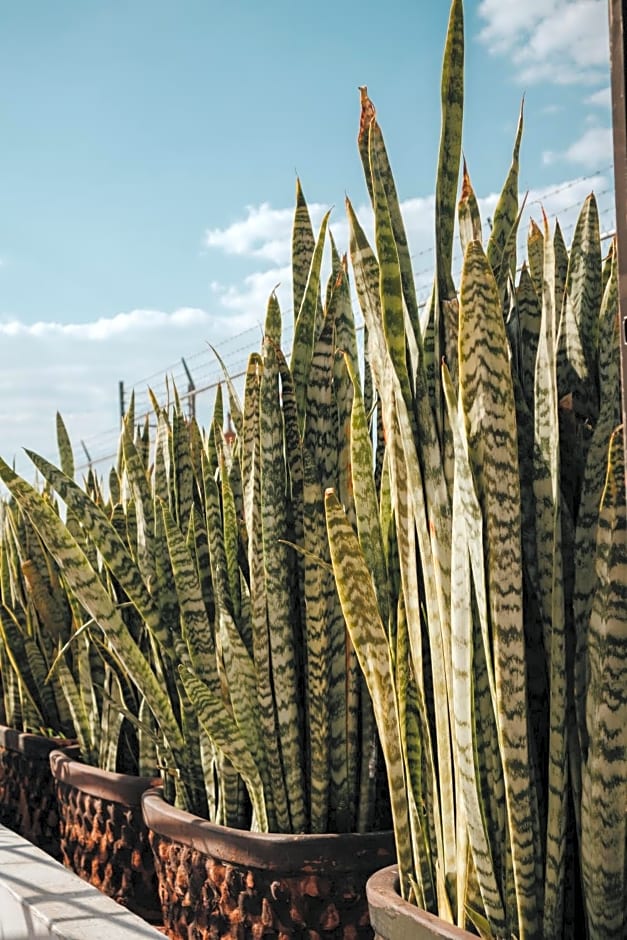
{"points": [[122, 408], [618, 24]]}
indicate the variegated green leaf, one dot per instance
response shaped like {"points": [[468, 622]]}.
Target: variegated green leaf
{"points": [[593, 483], [83, 580], [110, 545], [578, 325], [371, 141], [304, 328], [452, 103], [194, 623], [551, 589], [535, 257], [530, 315], [224, 733], [470, 228], [501, 249], [560, 252], [277, 563], [66, 455], [488, 406], [468, 581], [604, 822], [359, 604], [303, 246]]}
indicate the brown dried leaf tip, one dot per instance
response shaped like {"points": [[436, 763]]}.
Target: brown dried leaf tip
{"points": [[466, 185], [368, 112]]}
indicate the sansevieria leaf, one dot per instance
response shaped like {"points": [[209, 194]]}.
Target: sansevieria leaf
{"points": [[359, 605], [84, 581], [604, 798], [487, 401]]}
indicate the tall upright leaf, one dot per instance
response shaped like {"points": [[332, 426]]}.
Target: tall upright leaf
{"points": [[277, 565], [604, 821], [487, 401], [304, 328], [551, 590], [501, 250], [452, 102], [303, 245]]}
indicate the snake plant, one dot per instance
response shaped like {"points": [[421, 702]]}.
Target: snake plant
{"points": [[207, 574], [54, 680], [439, 522], [483, 586]]}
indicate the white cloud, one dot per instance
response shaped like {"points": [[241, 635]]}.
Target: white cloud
{"points": [[601, 98], [249, 297], [563, 41], [264, 233], [593, 149], [75, 368], [109, 327]]}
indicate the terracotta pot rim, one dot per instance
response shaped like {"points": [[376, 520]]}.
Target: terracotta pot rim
{"points": [[33, 745], [125, 789], [388, 910], [337, 852]]}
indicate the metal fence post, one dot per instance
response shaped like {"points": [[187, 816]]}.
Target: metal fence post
{"points": [[618, 37]]}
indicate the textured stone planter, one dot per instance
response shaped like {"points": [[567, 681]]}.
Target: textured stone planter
{"points": [[28, 804], [103, 838], [395, 919], [218, 882]]}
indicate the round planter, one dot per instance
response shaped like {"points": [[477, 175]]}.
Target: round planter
{"points": [[103, 838], [219, 882], [395, 919], [28, 804]]}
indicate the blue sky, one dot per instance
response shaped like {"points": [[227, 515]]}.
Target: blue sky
{"points": [[148, 162]]}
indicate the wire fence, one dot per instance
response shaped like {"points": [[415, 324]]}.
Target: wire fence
{"points": [[198, 374]]}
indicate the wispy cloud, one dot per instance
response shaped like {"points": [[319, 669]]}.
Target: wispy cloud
{"points": [[264, 233], [562, 41], [593, 149], [75, 368], [601, 98], [248, 298], [107, 328]]}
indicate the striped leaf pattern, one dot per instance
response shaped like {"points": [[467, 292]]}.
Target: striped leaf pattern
{"points": [[488, 406], [368, 634], [604, 823], [501, 248], [551, 588], [276, 567], [456, 599]]}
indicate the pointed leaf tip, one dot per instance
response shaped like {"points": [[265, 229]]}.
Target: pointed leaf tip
{"points": [[466, 184], [368, 112]]}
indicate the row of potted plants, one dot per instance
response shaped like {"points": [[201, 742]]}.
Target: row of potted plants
{"points": [[396, 600]]}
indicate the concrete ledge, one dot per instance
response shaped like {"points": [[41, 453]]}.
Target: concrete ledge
{"points": [[39, 899]]}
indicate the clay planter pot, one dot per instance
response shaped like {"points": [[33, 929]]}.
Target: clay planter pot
{"points": [[218, 882], [102, 834], [28, 803], [395, 919]]}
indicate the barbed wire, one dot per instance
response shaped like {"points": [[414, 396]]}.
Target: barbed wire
{"points": [[208, 374]]}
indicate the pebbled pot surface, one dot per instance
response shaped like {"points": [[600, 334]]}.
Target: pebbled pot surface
{"points": [[217, 882], [102, 833]]}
